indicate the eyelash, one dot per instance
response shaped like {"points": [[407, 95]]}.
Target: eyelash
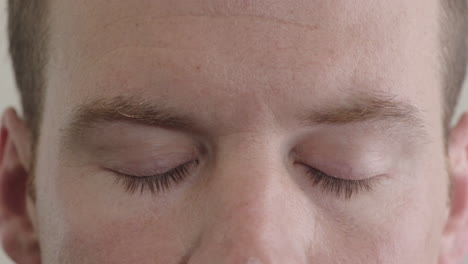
{"points": [[340, 187], [155, 183], [162, 182]]}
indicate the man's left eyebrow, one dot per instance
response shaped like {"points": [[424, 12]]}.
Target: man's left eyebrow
{"points": [[367, 108]]}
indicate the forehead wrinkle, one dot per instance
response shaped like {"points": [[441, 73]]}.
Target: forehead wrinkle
{"points": [[134, 21], [138, 22], [215, 14]]}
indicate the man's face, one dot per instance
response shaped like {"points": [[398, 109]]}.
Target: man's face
{"points": [[242, 132]]}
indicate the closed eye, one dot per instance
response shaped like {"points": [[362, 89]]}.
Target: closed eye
{"points": [[155, 183], [163, 181], [340, 187]]}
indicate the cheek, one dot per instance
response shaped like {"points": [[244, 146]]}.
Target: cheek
{"points": [[411, 227], [95, 222], [120, 241], [400, 227], [414, 233], [414, 220], [395, 240]]}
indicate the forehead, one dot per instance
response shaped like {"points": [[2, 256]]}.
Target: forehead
{"points": [[238, 56]]}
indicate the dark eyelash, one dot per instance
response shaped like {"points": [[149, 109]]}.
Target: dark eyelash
{"points": [[338, 186], [155, 183]]}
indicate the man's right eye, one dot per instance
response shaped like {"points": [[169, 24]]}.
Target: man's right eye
{"points": [[155, 183]]}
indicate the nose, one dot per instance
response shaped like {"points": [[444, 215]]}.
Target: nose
{"points": [[256, 215]]}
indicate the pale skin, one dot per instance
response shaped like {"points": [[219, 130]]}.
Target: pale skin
{"points": [[249, 95]]}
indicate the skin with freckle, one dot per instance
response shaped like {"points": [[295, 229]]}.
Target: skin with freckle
{"points": [[245, 72]]}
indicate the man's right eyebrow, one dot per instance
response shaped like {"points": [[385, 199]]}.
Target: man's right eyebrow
{"points": [[129, 110]]}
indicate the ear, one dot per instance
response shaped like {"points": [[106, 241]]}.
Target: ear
{"points": [[455, 237], [16, 229]]}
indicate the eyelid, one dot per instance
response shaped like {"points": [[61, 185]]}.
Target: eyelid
{"points": [[149, 165], [155, 183], [348, 164], [340, 187]]}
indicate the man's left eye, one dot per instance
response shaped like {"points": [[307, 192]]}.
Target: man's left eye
{"points": [[341, 187]]}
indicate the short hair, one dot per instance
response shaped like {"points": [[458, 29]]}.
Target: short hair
{"points": [[28, 35], [454, 53]]}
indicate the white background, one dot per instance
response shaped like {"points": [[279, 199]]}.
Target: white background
{"points": [[9, 97]]}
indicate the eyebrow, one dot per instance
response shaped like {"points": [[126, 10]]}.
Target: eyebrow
{"points": [[128, 109], [123, 109], [361, 108], [368, 108], [383, 108]]}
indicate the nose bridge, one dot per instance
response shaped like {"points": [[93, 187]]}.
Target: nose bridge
{"points": [[254, 212], [250, 179]]}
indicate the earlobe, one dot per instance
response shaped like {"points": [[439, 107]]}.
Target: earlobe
{"points": [[16, 231], [455, 240]]}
